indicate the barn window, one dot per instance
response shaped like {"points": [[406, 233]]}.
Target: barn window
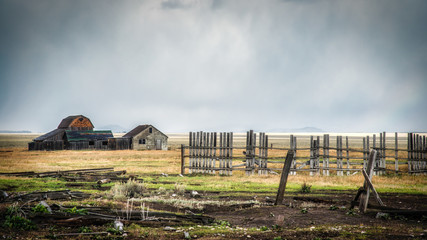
{"points": [[105, 143], [91, 143], [142, 141], [150, 130]]}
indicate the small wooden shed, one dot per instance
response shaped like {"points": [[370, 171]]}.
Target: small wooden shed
{"points": [[147, 137]]}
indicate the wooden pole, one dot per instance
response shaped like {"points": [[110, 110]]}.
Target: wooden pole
{"points": [[190, 150], [284, 177], [396, 153], [348, 155], [214, 152], [384, 162], [409, 152], [371, 186], [311, 155], [364, 198], [182, 159]]}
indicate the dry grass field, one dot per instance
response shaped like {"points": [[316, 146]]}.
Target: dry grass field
{"points": [[222, 197]]}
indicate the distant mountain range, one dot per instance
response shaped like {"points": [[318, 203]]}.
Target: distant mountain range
{"points": [[304, 129], [10, 131], [114, 128]]}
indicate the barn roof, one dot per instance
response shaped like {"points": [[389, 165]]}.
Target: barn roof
{"points": [[49, 134], [135, 131], [139, 129], [74, 136], [65, 123]]}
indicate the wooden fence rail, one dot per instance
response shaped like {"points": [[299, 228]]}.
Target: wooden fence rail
{"points": [[210, 152]]}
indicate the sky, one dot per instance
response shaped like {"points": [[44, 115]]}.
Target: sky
{"points": [[213, 65]]}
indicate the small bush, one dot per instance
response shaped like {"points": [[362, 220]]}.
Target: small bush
{"points": [[304, 211], [39, 209], [75, 210], [85, 229], [351, 212], [18, 222], [305, 188], [130, 189], [264, 228], [333, 207], [180, 188]]}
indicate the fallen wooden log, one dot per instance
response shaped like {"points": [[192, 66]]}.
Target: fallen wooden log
{"points": [[18, 174], [52, 195], [80, 234]]}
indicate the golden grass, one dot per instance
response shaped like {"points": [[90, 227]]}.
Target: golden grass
{"points": [[19, 159]]}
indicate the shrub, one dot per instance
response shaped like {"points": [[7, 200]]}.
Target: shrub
{"points": [[264, 228], [130, 189], [18, 222], [333, 207], [75, 210], [39, 209], [180, 188], [305, 188], [15, 218]]}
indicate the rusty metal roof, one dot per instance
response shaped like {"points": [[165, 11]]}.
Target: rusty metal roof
{"points": [[66, 122]]}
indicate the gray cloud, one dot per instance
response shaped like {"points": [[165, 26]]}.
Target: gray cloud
{"points": [[215, 65]]}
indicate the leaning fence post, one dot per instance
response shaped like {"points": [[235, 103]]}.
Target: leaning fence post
{"points": [[364, 198], [284, 177]]}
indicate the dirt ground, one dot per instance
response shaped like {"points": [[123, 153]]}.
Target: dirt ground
{"points": [[318, 215]]}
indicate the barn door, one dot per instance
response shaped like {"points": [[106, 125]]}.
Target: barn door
{"points": [[158, 144]]}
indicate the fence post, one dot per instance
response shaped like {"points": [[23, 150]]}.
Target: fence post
{"points": [[294, 161], [214, 152], [326, 154], [384, 161], [348, 155], [230, 158], [182, 159], [339, 155], [284, 177], [311, 155], [396, 152], [190, 153], [318, 155], [409, 152]]}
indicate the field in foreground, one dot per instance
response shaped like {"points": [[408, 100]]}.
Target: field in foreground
{"points": [[224, 207]]}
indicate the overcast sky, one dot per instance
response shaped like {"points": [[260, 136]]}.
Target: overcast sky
{"points": [[188, 65]]}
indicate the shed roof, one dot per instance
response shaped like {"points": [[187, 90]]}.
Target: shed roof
{"points": [[66, 122], [74, 136], [139, 129], [49, 134]]}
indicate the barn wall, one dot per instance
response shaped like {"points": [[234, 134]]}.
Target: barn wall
{"points": [[150, 140]]}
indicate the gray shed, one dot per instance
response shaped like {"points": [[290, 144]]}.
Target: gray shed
{"points": [[147, 137]]}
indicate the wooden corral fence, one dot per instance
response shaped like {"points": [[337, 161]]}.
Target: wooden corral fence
{"points": [[210, 152], [111, 144]]}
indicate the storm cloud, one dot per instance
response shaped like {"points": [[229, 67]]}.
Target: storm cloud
{"points": [[215, 65]]}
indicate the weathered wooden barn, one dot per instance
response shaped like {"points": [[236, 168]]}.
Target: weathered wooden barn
{"points": [[74, 133], [147, 137]]}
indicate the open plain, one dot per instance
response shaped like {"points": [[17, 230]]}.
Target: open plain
{"points": [[161, 204]]}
